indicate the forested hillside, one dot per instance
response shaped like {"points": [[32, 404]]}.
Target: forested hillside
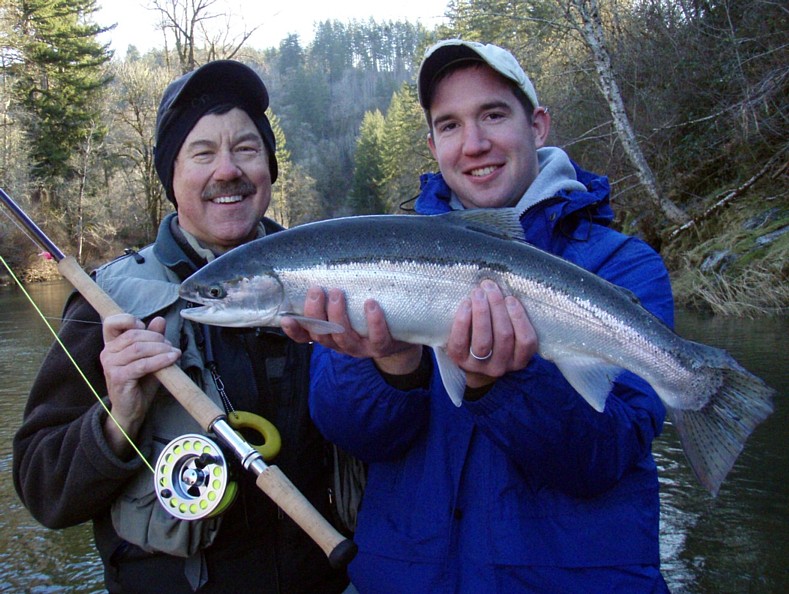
{"points": [[683, 104]]}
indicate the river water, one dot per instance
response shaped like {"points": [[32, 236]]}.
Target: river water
{"points": [[735, 543]]}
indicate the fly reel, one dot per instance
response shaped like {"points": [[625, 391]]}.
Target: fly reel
{"points": [[192, 478]]}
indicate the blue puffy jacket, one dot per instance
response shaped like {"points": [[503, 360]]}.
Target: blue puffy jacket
{"points": [[527, 489]]}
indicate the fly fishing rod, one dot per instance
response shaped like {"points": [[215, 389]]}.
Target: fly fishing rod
{"points": [[270, 479]]}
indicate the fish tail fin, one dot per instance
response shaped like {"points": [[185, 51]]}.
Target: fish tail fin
{"points": [[713, 436]]}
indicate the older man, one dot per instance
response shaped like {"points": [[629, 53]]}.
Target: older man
{"points": [[215, 156]]}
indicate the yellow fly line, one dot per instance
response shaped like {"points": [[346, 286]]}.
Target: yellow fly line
{"points": [[74, 362]]}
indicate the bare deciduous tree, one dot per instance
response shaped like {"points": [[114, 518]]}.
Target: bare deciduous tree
{"points": [[544, 27], [584, 17], [138, 87], [200, 30]]}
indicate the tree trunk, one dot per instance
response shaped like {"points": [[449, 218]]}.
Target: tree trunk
{"points": [[594, 36], [87, 151]]}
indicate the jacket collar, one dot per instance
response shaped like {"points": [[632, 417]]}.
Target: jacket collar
{"points": [[173, 250]]}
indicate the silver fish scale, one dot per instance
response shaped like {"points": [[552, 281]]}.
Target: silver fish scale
{"points": [[572, 325], [396, 285], [566, 325]]}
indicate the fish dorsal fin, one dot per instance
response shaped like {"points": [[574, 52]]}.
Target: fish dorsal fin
{"points": [[629, 294], [592, 378], [499, 222], [454, 377]]}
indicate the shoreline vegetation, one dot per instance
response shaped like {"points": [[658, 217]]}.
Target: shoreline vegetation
{"points": [[736, 264]]}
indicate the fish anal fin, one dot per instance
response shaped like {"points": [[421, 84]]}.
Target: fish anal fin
{"points": [[454, 377], [592, 378]]}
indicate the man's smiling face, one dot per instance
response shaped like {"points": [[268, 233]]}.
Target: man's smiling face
{"points": [[484, 142], [222, 181]]}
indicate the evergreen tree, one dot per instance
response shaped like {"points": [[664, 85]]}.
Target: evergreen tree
{"points": [[330, 49], [406, 154], [366, 195], [59, 82], [293, 196], [291, 54]]}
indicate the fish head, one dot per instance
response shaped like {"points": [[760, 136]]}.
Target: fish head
{"points": [[243, 301]]}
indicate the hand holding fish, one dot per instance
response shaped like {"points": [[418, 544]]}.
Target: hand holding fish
{"points": [[485, 322], [132, 354], [390, 355], [491, 335]]}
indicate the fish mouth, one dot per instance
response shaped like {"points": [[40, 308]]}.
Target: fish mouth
{"points": [[216, 315], [199, 313]]}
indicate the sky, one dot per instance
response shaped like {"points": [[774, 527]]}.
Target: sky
{"points": [[276, 19]]}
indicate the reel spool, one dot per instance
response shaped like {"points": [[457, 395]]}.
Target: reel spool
{"points": [[192, 479]]}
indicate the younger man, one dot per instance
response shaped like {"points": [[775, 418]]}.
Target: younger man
{"points": [[524, 488]]}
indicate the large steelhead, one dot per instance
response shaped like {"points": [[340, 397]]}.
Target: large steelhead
{"points": [[418, 268]]}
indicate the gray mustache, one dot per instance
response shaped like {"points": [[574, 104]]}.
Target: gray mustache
{"points": [[243, 187]]}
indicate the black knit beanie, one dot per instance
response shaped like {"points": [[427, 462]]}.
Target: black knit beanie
{"points": [[188, 98]]}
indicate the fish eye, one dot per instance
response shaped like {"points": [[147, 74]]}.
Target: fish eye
{"points": [[215, 292]]}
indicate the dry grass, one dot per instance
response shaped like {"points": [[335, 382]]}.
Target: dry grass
{"points": [[752, 293]]}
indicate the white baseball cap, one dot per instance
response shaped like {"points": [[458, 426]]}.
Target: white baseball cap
{"points": [[447, 52]]}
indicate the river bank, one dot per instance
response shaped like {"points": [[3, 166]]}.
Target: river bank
{"points": [[736, 263]]}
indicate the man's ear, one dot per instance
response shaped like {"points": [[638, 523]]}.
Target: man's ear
{"points": [[541, 123], [431, 145]]}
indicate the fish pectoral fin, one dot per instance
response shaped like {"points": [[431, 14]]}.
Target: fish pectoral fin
{"points": [[592, 378], [315, 325], [454, 377]]}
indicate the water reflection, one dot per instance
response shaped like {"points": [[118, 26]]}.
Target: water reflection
{"points": [[739, 541], [735, 543], [32, 558]]}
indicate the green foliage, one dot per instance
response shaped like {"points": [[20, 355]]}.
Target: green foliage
{"points": [[293, 196], [323, 91], [291, 55], [406, 154], [59, 81], [366, 196]]}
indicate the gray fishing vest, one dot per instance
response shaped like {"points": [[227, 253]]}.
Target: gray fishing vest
{"points": [[144, 287]]}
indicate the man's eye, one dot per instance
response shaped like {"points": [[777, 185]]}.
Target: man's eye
{"points": [[248, 150]]}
